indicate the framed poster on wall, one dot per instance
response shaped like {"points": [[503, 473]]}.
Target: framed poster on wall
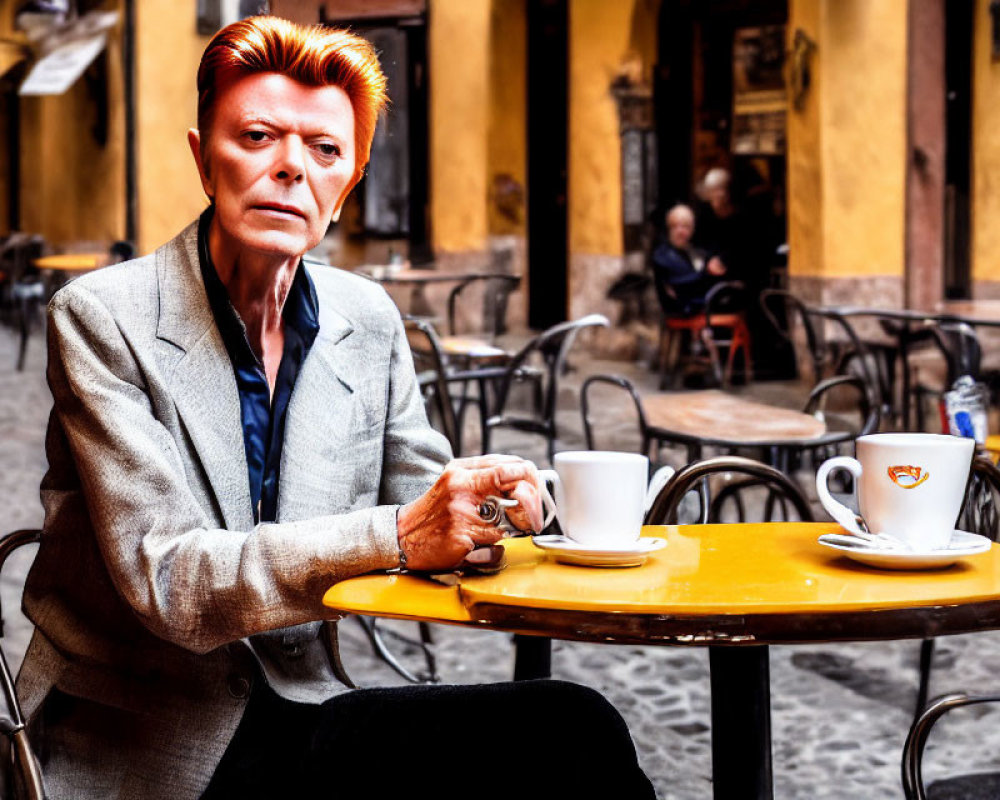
{"points": [[759, 95]]}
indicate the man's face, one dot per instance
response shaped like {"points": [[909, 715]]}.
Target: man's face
{"points": [[277, 162], [680, 227], [718, 198]]}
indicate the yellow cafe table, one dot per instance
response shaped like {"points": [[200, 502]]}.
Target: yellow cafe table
{"points": [[734, 588]]}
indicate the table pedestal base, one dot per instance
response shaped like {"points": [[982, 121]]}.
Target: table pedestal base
{"points": [[532, 657], [741, 723]]}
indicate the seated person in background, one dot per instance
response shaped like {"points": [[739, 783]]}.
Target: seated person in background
{"points": [[233, 432], [683, 273]]}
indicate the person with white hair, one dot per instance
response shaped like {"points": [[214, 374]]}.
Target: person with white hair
{"points": [[683, 273]]}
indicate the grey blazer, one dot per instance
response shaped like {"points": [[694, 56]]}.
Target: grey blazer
{"points": [[157, 601]]}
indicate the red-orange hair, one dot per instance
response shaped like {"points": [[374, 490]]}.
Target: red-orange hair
{"points": [[315, 56]]}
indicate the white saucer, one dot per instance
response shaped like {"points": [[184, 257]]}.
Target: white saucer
{"points": [[569, 552], [962, 544]]}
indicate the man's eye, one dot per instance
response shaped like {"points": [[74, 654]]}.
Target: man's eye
{"points": [[256, 136], [328, 150]]}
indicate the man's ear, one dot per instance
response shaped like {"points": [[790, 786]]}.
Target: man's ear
{"points": [[343, 197], [194, 142]]}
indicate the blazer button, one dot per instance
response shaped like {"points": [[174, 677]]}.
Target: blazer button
{"points": [[239, 687]]}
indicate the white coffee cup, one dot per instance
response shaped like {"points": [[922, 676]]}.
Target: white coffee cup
{"points": [[909, 486], [601, 496]]}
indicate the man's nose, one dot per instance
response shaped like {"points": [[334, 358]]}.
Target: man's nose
{"points": [[290, 162]]}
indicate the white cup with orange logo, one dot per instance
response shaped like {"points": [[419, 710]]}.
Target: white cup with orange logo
{"points": [[909, 486]]}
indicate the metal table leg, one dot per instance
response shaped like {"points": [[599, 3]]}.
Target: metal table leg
{"points": [[532, 657], [741, 723]]}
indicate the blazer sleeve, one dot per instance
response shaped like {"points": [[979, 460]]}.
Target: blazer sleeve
{"points": [[188, 582]]}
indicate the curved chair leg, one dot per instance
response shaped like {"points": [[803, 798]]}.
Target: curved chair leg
{"points": [[916, 739], [370, 627], [926, 660], [24, 325]]}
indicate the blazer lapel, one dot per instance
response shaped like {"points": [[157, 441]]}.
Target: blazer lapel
{"points": [[323, 399], [202, 382]]}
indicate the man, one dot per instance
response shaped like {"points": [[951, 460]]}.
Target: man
{"points": [[232, 433], [683, 273]]}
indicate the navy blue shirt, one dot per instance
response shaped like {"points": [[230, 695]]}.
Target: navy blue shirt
{"points": [[263, 420]]}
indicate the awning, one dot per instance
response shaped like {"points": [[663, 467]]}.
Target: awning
{"points": [[68, 53], [57, 71]]}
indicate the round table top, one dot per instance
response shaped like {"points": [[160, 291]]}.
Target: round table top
{"points": [[72, 262], [711, 584], [713, 416], [418, 275]]}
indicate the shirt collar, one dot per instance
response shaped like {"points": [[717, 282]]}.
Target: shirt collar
{"points": [[300, 312]]}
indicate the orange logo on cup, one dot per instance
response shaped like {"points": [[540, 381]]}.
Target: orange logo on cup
{"points": [[908, 477]]}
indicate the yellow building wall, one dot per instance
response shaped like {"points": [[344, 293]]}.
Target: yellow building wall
{"points": [[857, 228], [985, 199], [805, 153], [599, 41], [168, 51], [459, 92], [508, 96], [72, 188]]}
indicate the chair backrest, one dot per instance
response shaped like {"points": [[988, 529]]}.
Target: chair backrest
{"points": [[552, 346], [728, 297], [781, 308], [585, 405], [663, 510], [980, 513], [429, 361], [829, 355], [959, 346], [496, 289], [822, 392], [17, 253]]}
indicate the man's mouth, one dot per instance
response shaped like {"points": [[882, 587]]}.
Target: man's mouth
{"points": [[281, 209]]}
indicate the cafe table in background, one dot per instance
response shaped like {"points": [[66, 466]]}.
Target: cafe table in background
{"points": [[418, 278], [72, 262], [734, 588]]}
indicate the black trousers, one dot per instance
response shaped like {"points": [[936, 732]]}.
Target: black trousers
{"points": [[531, 739]]}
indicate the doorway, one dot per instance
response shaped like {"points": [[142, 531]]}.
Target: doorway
{"points": [[721, 104], [548, 131], [959, 16]]}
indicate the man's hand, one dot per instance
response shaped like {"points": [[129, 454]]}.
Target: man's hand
{"points": [[715, 266], [440, 529]]}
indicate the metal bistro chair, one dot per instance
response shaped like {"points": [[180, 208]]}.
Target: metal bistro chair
{"points": [[496, 291], [438, 372], [432, 376], [963, 787], [721, 324], [979, 515], [24, 288], [958, 347], [840, 353], [551, 347], [782, 490], [22, 776]]}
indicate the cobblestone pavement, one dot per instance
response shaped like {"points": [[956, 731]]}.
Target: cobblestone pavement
{"points": [[839, 712]]}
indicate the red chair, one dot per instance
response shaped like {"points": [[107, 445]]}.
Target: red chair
{"points": [[722, 324]]}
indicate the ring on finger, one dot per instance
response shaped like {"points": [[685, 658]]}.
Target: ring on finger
{"points": [[492, 511]]}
